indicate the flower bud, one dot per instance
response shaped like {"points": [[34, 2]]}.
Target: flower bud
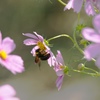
{"points": [[66, 70], [81, 67]]}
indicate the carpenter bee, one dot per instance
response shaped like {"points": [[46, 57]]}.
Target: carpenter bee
{"points": [[41, 55]]}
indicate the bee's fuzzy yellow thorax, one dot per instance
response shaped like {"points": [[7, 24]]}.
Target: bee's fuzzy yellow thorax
{"points": [[41, 45]]}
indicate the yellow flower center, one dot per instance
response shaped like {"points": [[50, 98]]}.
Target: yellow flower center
{"points": [[3, 54], [41, 45], [62, 67]]}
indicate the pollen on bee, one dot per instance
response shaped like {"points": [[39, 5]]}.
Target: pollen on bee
{"points": [[3, 54], [41, 45]]}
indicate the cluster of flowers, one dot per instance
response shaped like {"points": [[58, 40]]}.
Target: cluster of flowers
{"points": [[41, 50], [90, 6], [93, 35], [13, 63]]}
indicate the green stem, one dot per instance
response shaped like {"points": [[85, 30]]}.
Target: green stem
{"points": [[92, 74], [62, 2], [78, 18], [91, 70], [65, 35], [76, 44], [62, 35]]}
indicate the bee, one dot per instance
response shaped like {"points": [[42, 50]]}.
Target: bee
{"points": [[41, 55]]}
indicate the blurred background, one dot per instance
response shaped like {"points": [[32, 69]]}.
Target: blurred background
{"points": [[48, 19]]}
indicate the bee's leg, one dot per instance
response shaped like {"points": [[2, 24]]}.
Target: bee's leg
{"points": [[39, 63]]}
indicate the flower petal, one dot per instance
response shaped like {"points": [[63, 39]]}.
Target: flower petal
{"points": [[98, 62], [33, 50], [59, 82], [60, 72], [89, 9], [36, 37], [96, 23], [77, 8], [7, 90], [92, 51], [51, 60], [39, 36], [69, 5], [91, 35], [13, 63], [8, 45], [59, 58], [0, 37], [11, 98], [98, 4], [30, 42], [31, 36], [73, 4]]}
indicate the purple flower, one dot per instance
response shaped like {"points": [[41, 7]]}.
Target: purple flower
{"points": [[13, 63], [90, 6], [93, 35], [7, 93], [59, 82], [59, 68], [40, 46], [33, 39]]}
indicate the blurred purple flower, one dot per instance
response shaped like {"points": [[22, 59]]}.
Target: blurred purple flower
{"points": [[93, 35], [7, 93], [59, 68], [13, 63], [39, 42], [90, 6]]}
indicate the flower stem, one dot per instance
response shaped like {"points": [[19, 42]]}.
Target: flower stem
{"points": [[92, 74], [75, 42], [91, 69], [62, 2], [62, 35], [78, 18]]}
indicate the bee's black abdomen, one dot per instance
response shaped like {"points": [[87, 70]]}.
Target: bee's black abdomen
{"points": [[45, 57]]}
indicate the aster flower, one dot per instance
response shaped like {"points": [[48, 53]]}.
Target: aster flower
{"points": [[90, 6], [60, 69], [7, 93], [93, 35], [13, 63], [41, 49]]}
